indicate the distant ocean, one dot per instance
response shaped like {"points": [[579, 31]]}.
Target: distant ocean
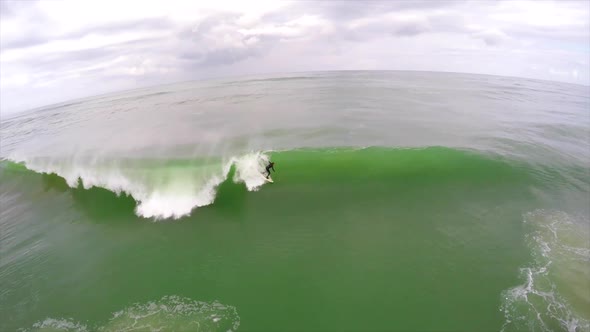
{"points": [[402, 201]]}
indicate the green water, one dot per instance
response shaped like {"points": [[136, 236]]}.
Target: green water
{"points": [[373, 239]]}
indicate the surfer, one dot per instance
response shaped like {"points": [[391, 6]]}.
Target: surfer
{"points": [[270, 166]]}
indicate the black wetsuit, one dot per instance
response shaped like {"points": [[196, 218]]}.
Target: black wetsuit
{"points": [[268, 168]]}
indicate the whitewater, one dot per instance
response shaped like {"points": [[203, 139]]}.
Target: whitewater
{"points": [[161, 190]]}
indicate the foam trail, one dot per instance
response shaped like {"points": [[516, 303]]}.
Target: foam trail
{"points": [[53, 324], [161, 190], [170, 313], [555, 292]]}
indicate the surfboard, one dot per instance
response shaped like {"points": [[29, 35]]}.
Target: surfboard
{"points": [[267, 179]]}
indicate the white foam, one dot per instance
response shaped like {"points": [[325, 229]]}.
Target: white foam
{"points": [[170, 313], [559, 247], [53, 324], [161, 191], [177, 199], [249, 170], [174, 313]]}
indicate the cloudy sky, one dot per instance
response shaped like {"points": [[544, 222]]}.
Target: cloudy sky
{"points": [[52, 51]]}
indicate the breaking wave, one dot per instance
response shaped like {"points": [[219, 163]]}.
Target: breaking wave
{"points": [[162, 188]]}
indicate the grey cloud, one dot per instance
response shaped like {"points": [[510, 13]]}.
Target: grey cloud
{"points": [[341, 13], [62, 60], [226, 56], [197, 39], [5, 9], [218, 57], [345, 10], [153, 23], [491, 38], [449, 22], [35, 35], [198, 31], [411, 29], [32, 33], [13, 8], [24, 41], [370, 31], [427, 16], [396, 26]]}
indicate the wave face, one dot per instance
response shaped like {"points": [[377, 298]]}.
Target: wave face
{"points": [[173, 188], [449, 202]]}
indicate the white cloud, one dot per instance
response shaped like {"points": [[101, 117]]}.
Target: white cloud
{"points": [[58, 50], [553, 14], [15, 80]]}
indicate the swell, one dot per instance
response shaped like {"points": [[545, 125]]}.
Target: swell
{"points": [[172, 188]]}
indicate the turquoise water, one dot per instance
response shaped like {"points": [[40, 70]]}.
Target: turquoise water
{"points": [[401, 201]]}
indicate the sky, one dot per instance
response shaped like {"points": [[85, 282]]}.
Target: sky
{"points": [[53, 51]]}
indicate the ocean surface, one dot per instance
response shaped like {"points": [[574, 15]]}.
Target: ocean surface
{"points": [[402, 201]]}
